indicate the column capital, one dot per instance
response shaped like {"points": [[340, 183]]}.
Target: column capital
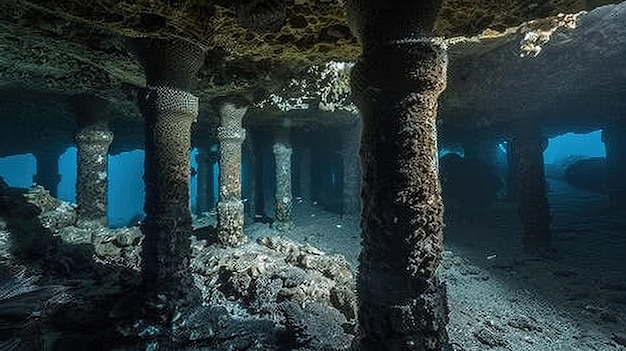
{"points": [[415, 66], [164, 99], [231, 109], [93, 137], [282, 149], [168, 63], [231, 133]]}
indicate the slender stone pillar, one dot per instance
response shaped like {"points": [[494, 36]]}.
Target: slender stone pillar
{"points": [[396, 84], [282, 156], [614, 139], [206, 160], [48, 169], [169, 110], [230, 135], [528, 146], [92, 139], [305, 173], [352, 170]]}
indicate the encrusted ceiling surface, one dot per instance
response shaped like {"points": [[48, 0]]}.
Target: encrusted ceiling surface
{"points": [[288, 53]]}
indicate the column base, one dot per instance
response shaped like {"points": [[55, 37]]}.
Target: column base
{"points": [[230, 223], [283, 226], [415, 322]]}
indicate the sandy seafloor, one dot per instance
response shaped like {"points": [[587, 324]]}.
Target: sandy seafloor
{"points": [[502, 299]]}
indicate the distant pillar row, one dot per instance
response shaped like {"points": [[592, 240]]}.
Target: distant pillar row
{"points": [[47, 174], [483, 151], [396, 84], [231, 135], [614, 139], [528, 146], [282, 156], [352, 171], [206, 160], [92, 140]]}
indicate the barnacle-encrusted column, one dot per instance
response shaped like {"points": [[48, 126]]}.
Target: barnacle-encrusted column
{"points": [[169, 110], [283, 198], [396, 84], [206, 159], [92, 140], [230, 135], [614, 139], [528, 146], [352, 170], [47, 174]]}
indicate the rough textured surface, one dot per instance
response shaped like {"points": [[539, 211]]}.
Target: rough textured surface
{"points": [[283, 196], [205, 159], [231, 136], [92, 144], [402, 304], [352, 169], [614, 138], [528, 147]]}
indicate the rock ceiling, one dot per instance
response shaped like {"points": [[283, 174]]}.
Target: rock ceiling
{"points": [[278, 52]]}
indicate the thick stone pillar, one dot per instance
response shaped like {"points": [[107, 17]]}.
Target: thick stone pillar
{"points": [[396, 84], [528, 146], [169, 110], [614, 139], [206, 160], [47, 174], [230, 135], [352, 170], [283, 199], [92, 139]]}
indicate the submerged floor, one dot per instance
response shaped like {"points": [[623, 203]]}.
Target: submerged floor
{"points": [[501, 299]]}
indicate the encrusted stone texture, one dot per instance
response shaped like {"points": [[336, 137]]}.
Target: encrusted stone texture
{"points": [[205, 159], [231, 136], [534, 211], [230, 223], [283, 197], [402, 305], [92, 145], [47, 174], [352, 170], [614, 138]]}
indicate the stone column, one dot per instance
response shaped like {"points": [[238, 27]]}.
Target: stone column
{"points": [[305, 173], [206, 160], [396, 84], [528, 146], [169, 110], [352, 170], [92, 139], [230, 135], [48, 169], [614, 139], [282, 156]]}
